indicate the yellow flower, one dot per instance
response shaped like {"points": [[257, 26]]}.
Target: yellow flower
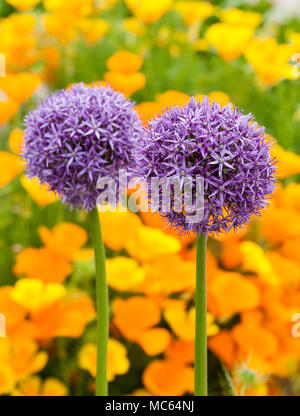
{"points": [[135, 316], [93, 30], [194, 11], [117, 361], [22, 358], [124, 273], [42, 263], [280, 224], [8, 108], [105, 4], [64, 239], [270, 60], [256, 261], [118, 227], [294, 37], [10, 167], [20, 87], [241, 17], [168, 274], [147, 110], [128, 84], [39, 193], [23, 5], [61, 27], [171, 97], [148, 11], [7, 379], [16, 140], [133, 25], [35, 295], [229, 40], [168, 378], [288, 162], [219, 96], [17, 41], [182, 321], [231, 293], [154, 341], [148, 243], [71, 9], [125, 62], [34, 386]]}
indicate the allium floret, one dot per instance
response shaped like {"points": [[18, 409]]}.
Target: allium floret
{"points": [[226, 148], [77, 136]]}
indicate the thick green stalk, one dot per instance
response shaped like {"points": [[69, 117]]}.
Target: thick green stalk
{"points": [[201, 311], [102, 305]]}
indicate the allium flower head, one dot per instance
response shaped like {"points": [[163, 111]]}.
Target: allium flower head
{"points": [[77, 136], [219, 144]]}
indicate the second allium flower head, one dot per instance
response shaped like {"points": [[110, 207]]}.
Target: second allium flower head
{"points": [[77, 136], [219, 144]]}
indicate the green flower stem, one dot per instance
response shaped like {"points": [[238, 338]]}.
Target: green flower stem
{"points": [[201, 311], [102, 305]]}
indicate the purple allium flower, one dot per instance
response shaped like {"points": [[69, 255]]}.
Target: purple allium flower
{"points": [[219, 144], [77, 136]]}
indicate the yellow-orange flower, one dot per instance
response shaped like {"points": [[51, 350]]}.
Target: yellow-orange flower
{"points": [[148, 110], [125, 62], [154, 341], [172, 97], [10, 167], [93, 29], [34, 294], [182, 322], [229, 40], [168, 378], [194, 11], [20, 87], [65, 239], [133, 25], [66, 318], [22, 358], [231, 293], [128, 84], [41, 194], [8, 108], [23, 5], [148, 243], [254, 339], [256, 261], [135, 315], [34, 386], [124, 273], [118, 227], [148, 11], [16, 140], [42, 263], [71, 8], [13, 312], [117, 361], [168, 274], [288, 162], [237, 17], [17, 41], [270, 60]]}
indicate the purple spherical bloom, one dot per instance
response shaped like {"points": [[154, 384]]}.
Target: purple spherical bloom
{"points": [[78, 136], [221, 145]]}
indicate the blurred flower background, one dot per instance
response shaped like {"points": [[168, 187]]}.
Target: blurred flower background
{"points": [[158, 53]]}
